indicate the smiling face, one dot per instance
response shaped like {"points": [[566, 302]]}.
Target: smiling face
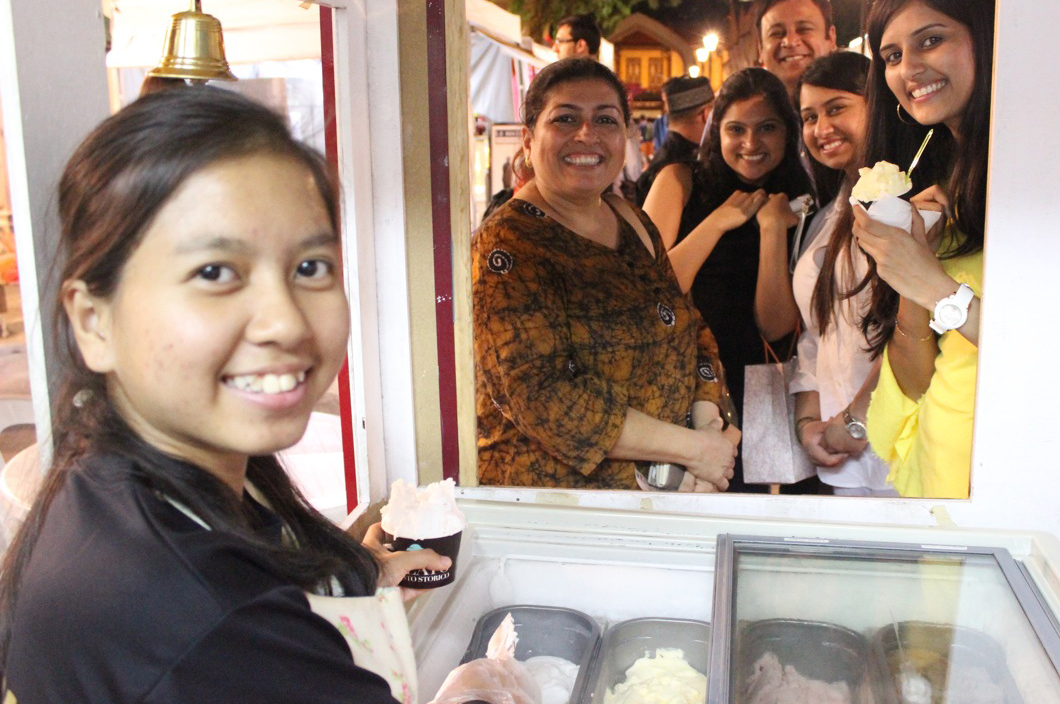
{"points": [[929, 64], [229, 320], [752, 139], [577, 146], [833, 125], [793, 34]]}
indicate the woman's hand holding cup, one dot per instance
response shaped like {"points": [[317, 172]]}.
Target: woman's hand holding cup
{"points": [[903, 258], [395, 566]]}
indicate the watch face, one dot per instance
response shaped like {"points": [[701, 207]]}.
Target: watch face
{"points": [[950, 315], [856, 430]]}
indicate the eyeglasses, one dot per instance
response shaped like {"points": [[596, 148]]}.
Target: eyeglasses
{"points": [[563, 41]]}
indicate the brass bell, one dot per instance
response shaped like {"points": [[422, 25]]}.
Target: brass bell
{"points": [[194, 49]]}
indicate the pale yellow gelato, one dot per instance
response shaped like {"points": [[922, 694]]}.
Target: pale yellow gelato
{"points": [[664, 679], [883, 179]]}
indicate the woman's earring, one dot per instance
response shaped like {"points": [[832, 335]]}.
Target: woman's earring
{"points": [[81, 398], [910, 121], [529, 166]]}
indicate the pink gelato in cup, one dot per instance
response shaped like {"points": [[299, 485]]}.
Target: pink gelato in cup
{"points": [[422, 518]]}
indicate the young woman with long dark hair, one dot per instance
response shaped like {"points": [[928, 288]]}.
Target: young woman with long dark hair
{"points": [[168, 557], [931, 68], [735, 260], [835, 371]]}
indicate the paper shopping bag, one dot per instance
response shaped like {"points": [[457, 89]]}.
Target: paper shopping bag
{"points": [[771, 451]]}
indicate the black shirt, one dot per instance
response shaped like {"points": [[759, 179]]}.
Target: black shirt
{"points": [[126, 599], [675, 150]]}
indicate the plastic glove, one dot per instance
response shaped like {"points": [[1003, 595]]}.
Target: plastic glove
{"points": [[497, 678]]}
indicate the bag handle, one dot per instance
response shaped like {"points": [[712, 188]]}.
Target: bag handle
{"points": [[624, 210], [796, 249], [768, 351]]}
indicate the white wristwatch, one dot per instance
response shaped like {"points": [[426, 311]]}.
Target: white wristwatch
{"points": [[952, 311]]}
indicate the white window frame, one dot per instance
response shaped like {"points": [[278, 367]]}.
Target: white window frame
{"points": [[368, 126], [1015, 483]]}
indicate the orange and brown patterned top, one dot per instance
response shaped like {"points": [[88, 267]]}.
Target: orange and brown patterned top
{"points": [[568, 335]]}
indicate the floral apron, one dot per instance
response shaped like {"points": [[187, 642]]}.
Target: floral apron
{"points": [[377, 631]]}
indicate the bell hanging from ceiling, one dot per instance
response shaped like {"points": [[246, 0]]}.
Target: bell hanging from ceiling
{"points": [[194, 49]]}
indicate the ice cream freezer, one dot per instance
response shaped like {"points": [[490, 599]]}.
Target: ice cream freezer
{"points": [[892, 615]]}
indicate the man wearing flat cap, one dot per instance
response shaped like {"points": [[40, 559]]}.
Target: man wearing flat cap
{"points": [[690, 101]]}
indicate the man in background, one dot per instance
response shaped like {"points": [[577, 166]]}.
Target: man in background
{"points": [[791, 34], [577, 35], [690, 101]]}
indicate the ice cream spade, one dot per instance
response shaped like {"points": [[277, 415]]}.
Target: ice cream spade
{"points": [[914, 687], [916, 159]]}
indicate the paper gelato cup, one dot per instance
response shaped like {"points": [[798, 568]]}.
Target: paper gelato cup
{"points": [[425, 517], [897, 212], [448, 545]]}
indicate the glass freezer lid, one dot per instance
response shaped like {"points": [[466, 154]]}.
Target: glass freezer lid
{"points": [[891, 623]]}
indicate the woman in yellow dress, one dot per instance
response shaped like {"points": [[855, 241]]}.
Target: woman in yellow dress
{"points": [[931, 68]]}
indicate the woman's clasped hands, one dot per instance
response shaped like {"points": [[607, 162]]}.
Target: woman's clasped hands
{"points": [[828, 443], [713, 455], [772, 211]]}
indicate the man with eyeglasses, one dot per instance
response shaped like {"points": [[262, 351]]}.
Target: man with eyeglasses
{"points": [[577, 35]]}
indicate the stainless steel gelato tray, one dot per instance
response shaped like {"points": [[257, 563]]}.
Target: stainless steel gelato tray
{"points": [[626, 642], [543, 630], [934, 663], [824, 656]]}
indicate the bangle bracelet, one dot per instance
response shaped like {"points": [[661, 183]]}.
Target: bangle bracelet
{"points": [[801, 422], [903, 333]]}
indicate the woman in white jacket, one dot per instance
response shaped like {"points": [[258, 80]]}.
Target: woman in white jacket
{"points": [[835, 372]]}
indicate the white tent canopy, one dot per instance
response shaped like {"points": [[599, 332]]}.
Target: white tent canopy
{"points": [[496, 42]]}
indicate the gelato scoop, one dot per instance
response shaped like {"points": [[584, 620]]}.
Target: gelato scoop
{"points": [[883, 179], [772, 683], [664, 679], [427, 512], [881, 186], [555, 676]]}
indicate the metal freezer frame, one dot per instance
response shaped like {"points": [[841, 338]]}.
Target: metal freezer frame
{"points": [[1041, 619]]}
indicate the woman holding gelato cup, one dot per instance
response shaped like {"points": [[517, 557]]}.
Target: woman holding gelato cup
{"points": [[931, 68], [168, 557], [589, 357]]}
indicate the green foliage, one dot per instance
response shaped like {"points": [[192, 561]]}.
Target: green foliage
{"points": [[540, 16]]}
